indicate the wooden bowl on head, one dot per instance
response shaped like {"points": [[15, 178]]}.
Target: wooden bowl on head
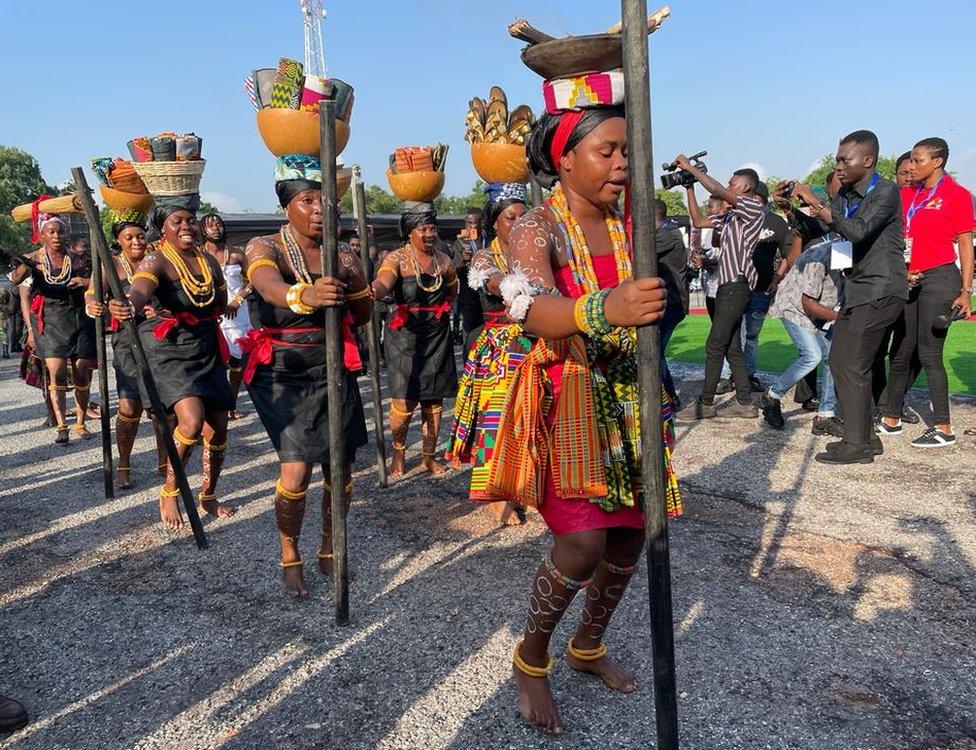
{"points": [[292, 131], [500, 162], [122, 201], [416, 186], [574, 55]]}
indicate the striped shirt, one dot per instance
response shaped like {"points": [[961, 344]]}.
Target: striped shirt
{"points": [[741, 226]]}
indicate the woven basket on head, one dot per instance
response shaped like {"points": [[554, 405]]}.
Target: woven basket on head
{"points": [[171, 177]]}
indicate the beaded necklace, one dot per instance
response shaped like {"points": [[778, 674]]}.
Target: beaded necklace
{"points": [[126, 266], [498, 256], [577, 252], [200, 293], [294, 256], [48, 270], [415, 265]]}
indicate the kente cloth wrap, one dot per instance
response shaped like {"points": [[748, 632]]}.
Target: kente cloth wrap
{"points": [[493, 359], [505, 191], [298, 167], [593, 441], [584, 92]]}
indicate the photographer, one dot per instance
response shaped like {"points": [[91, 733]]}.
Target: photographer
{"points": [[938, 212], [866, 213], [737, 278]]}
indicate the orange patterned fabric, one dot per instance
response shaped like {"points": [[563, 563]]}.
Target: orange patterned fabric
{"points": [[526, 444]]}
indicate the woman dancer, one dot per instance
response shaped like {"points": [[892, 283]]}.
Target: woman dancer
{"points": [[59, 330], [495, 350], [285, 373], [419, 354], [569, 441], [235, 322], [130, 248], [185, 349]]}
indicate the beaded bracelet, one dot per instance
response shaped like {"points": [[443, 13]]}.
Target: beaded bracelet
{"points": [[237, 300], [294, 299], [596, 319], [579, 314]]}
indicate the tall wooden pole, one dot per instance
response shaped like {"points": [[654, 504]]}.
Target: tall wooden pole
{"points": [[372, 328], [105, 258], [334, 366], [638, 103], [102, 368]]}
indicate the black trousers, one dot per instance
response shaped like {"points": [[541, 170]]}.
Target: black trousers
{"points": [[919, 340], [16, 331], [724, 341], [858, 334]]}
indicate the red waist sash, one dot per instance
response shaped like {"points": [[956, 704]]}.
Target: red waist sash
{"points": [[37, 307], [170, 322], [403, 313], [259, 345]]}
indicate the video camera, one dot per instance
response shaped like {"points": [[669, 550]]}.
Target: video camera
{"points": [[682, 177]]}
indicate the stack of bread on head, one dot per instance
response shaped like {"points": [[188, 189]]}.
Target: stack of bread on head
{"points": [[497, 137], [416, 173]]}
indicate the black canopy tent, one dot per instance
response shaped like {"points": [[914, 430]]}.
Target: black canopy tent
{"points": [[386, 234]]}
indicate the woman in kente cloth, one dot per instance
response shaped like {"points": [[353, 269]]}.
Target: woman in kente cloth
{"points": [[569, 441], [129, 248], [419, 352], [284, 354], [59, 330], [234, 323], [496, 350], [186, 352]]}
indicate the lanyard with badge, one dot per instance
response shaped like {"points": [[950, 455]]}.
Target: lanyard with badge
{"points": [[842, 251], [913, 209]]}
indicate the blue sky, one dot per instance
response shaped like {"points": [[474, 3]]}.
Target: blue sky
{"points": [[772, 84]]}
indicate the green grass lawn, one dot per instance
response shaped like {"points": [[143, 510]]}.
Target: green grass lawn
{"points": [[776, 350]]}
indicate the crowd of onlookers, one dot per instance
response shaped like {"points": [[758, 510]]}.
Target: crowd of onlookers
{"points": [[865, 273]]}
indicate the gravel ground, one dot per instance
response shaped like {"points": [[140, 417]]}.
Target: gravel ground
{"points": [[814, 607]]}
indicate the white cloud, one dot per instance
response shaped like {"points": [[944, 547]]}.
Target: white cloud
{"points": [[760, 169], [227, 204]]}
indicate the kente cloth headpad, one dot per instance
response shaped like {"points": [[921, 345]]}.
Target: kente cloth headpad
{"points": [[504, 191], [583, 92], [298, 167]]}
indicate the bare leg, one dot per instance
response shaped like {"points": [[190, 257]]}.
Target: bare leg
{"points": [[430, 427], [324, 555], [562, 573], [189, 426], [290, 491], [126, 428], [214, 447], [82, 370], [57, 378], [234, 376], [400, 413], [52, 420], [162, 458], [587, 653]]}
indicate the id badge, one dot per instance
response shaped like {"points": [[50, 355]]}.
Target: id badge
{"points": [[841, 255], [908, 250]]}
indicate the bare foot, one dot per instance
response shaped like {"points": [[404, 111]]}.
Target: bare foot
{"points": [[294, 581], [123, 477], [396, 465], [217, 509], [82, 432], [536, 703], [508, 514], [431, 464], [612, 674], [169, 512]]}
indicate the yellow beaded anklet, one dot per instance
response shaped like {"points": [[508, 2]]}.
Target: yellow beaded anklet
{"points": [[324, 555], [219, 448], [587, 654], [204, 497], [399, 446], [294, 564], [127, 420], [288, 494], [182, 439], [169, 493], [527, 669]]}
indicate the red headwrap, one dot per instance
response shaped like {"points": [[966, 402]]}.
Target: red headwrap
{"points": [[560, 138], [35, 214]]}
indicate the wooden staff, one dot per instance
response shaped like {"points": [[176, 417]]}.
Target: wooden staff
{"points": [[334, 366], [638, 104], [372, 337], [104, 257], [102, 368]]}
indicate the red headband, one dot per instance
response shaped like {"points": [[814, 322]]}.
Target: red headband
{"points": [[35, 215], [567, 124]]}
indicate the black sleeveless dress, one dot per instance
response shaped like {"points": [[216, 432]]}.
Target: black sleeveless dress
{"points": [[67, 332], [186, 361], [128, 380], [419, 353], [290, 392]]}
